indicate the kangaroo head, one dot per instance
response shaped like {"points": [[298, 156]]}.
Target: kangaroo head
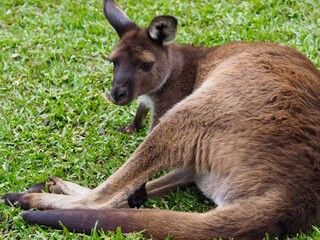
{"points": [[141, 58]]}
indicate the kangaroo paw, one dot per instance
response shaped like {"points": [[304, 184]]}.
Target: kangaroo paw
{"points": [[138, 198], [12, 198], [59, 186], [16, 199], [37, 188], [54, 185], [128, 129]]}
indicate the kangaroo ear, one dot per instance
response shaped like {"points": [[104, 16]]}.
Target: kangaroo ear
{"points": [[117, 18], [163, 29]]}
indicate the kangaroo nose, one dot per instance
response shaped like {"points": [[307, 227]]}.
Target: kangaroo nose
{"points": [[119, 94]]}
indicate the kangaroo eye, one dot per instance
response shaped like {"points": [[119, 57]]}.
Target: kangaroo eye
{"points": [[146, 66]]}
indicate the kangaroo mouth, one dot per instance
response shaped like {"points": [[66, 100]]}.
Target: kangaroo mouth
{"points": [[122, 101]]}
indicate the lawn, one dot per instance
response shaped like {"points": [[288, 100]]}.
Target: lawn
{"points": [[53, 65]]}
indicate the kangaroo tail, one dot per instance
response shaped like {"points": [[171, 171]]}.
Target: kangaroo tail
{"points": [[154, 223], [250, 219]]}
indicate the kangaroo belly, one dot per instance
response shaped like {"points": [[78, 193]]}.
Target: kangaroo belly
{"points": [[216, 189]]}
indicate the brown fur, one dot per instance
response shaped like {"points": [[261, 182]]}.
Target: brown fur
{"points": [[241, 121], [128, 52]]}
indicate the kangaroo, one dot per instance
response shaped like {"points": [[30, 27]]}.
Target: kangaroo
{"points": [[149, 70], [240, 120]]}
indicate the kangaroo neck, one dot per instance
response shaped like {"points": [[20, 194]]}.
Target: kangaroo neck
{"points": [[184, 60]]}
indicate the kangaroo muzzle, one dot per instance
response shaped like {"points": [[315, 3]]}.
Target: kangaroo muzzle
{"points": [[120, 96]]}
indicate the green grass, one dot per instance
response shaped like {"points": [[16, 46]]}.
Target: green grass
{"points": [[53, 67]]}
